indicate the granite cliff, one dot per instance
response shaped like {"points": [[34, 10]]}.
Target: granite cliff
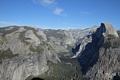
{"points": [[98, 54], [29, 53]]}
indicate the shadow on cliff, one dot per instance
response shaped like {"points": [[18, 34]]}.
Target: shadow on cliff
{"points": [[89, 56], [117, 77], [74, 50], [37, 78]]}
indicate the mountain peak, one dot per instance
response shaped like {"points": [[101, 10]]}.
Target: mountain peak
{"points": [[98, 50], [109, 29]]}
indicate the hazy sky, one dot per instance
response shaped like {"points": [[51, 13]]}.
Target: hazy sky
{"points": [[57, 14]]}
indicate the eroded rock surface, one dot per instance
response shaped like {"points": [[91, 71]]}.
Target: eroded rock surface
{"points": [[28, 51], [98, 54]]}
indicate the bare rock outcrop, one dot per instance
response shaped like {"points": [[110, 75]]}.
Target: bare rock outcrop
{"points": [[23, 54], [32, 37], [28, 51], [106, 29], [98, 54]]}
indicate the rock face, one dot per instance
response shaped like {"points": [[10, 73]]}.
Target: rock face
{"points": [[98, 54], [26, 52], [106, 29], [22, 53]]}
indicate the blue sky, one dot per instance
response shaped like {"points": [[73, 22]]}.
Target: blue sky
{"points": [[59, 14]]}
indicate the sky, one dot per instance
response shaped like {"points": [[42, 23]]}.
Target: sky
{"points": [[59, 14]]}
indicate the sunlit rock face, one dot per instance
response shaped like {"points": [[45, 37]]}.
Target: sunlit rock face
{"points": [[98, 54], [106, 29], [28, 51]]}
